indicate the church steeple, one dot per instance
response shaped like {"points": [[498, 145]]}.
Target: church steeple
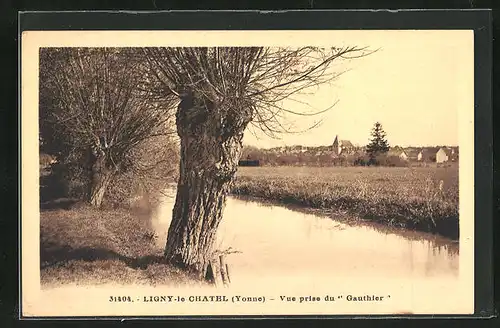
{"points": [[337, 147]]}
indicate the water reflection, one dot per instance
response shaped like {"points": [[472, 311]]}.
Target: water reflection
{"points": [[277, 243]]}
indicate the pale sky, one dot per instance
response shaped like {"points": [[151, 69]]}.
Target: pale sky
{"points": [[419, 85], [414, 85]]}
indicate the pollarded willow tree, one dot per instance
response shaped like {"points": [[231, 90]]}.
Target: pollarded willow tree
{"points": [[96, 108], [221, 92]]}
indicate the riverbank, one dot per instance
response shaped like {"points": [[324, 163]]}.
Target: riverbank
{"points": [[422, 199], [82, 245]]}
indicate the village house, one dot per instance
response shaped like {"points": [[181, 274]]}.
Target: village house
{"points": [[442, 155], [342, 146], [398, 152], [427, 154], [447, 154], [298, 149], [412, 154], [438, 154]]}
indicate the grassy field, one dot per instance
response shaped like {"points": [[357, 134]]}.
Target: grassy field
{"points": [[402, 197], [82, 245]]}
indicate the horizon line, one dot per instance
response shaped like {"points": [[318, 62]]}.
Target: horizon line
{"points": [[316, 146]]}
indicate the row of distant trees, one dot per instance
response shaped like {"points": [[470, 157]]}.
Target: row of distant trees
{"points": [[375, 153], [276, 158]]}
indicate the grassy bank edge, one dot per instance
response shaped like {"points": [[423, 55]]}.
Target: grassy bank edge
{"points": [[447, 226], [86, 246]]}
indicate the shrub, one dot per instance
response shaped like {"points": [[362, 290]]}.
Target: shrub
{"points": [[154, 165], [360, 160], [392, 161]]}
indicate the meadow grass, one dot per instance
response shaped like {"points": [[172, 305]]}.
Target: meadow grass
{"points": [[402, 197], [83, 245]]}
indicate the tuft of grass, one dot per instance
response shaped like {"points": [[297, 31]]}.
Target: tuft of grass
{"points": [[419, 198], [84, 245]]}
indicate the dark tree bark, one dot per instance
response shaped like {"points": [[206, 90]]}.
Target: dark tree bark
{"points": [[100, 177], [211, 145]]}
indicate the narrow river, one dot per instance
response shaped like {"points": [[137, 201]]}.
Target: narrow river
{"points": [[296, 263], [281, 247]]}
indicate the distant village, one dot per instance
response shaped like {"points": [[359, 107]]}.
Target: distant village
{"points": [[343, 152]]}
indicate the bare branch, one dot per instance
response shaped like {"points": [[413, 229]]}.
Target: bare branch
{"points": [[257, 78]]}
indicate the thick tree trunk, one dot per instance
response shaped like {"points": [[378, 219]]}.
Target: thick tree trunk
{"points": [[100, 179], [210, 150]]}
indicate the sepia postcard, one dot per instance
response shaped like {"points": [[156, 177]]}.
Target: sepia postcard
{"points": [[247, 173]]}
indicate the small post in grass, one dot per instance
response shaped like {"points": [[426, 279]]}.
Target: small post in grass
{"points": [[223, 270], [227, 272]]}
